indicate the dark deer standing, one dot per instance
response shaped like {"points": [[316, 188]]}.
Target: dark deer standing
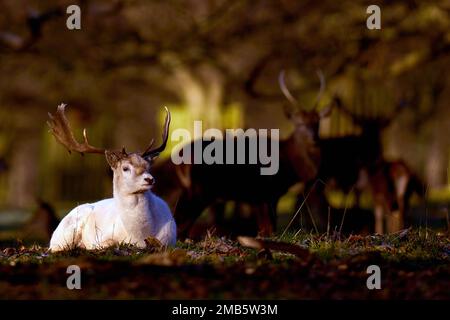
{"points": [[298, 162], [357, 163], [174, 180], [391, 184]]}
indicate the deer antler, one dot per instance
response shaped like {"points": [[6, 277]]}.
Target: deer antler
{"points": [[290, 97], [149, 152], [321, 89], [60, 128], [285, 90]]}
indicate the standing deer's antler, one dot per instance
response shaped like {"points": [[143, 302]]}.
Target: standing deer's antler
{"points": [[285, 90], [60, 128], [321, 89], [290, 97], [149, 152]]}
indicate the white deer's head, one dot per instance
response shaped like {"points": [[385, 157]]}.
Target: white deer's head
{"points": [[131, 173], [131, 170]]}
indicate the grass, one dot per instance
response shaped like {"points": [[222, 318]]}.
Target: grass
{"points": [[414, 264]]}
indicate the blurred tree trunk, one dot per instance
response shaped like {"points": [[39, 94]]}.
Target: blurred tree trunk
{"points": [[22, 179], [201, 94], [437, 160], [436, 165]]}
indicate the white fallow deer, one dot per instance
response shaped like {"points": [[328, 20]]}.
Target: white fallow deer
{"points": [[132, 215]]}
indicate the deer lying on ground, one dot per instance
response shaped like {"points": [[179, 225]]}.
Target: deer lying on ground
{"points": [[132, 215], [299, 156]]}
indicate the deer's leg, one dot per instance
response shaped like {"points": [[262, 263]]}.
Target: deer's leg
{"points": [[273, 214], [357, 198], [379, 213], [392, 217], [401, 184], [265, 227], [394, 221], [217, 212], [253, 227], [395, 218], [316, 205]]}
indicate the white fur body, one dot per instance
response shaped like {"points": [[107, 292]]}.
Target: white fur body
{"points": [[107, 222]]}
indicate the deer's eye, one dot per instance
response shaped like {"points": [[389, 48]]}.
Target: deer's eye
{"points": [[126, 169]]}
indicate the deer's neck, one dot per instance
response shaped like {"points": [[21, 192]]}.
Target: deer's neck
{"points": [[302, 156], [135, 213]]}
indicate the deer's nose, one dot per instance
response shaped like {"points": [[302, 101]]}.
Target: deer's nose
{"points": [[149, 180]]}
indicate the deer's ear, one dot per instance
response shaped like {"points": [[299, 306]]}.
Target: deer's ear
{"points": [[113, 158]]}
